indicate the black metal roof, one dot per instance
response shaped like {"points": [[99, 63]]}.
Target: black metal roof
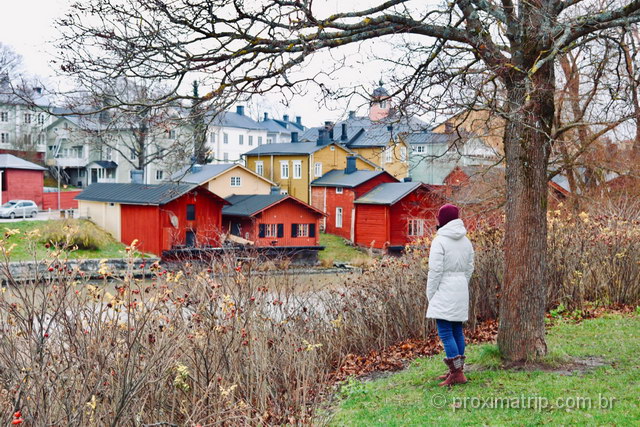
{"points": [[338, 178], [135, 194], [250, 204], [388, 193]]}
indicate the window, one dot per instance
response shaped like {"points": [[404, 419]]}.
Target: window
{"points": [[338, 190], [271, 230], [133, 155], [269, 140], [27, 117], [241, 139], [388, 155], [417, 227], [332, 148], [172, 134], [191, 212], [212, 138], [82, 173], [284, 169], [300, 230], [235, 181], [4, 138], [317, 170], [338, 217], [297, 169], [284, 192], [420, 149], [225, 138], [250, 139], [159, 175], [403, 154], [40, 119], [41, 139], [225, 157], [111, 173], [260, 167], [259, 140], [4, 116], [108, 153]]}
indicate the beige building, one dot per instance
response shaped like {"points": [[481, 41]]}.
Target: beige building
{"points": [[225, 180], [104, 215]]}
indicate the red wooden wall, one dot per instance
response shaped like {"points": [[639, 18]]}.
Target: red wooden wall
{"points": [[419, 204], [372, 225], [151, 225], [23, 184], [67, 200], [287, 212]]}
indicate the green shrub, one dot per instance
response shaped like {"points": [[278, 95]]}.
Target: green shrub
{"points": [[72, 233]]}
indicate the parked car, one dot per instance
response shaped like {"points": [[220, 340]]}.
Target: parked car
{"points": [[18, 208]]}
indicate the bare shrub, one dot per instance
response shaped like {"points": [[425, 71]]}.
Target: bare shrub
{"points": [[82, 234]]}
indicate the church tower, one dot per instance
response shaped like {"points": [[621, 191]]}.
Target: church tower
{"points": [[380, 103]]}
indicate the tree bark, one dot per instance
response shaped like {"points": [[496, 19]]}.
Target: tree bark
{"points": [[530, 113]]}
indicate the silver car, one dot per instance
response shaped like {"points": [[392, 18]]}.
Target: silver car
{"points": [[18, 209]]}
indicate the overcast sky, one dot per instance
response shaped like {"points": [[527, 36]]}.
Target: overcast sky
{"points": [[28, 27]]}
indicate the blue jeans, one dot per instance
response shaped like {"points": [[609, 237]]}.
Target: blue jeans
{"points": [[452, 337]]}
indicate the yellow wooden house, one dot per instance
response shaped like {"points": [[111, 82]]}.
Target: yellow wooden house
{"points": [[294, 165], [225, 180]]}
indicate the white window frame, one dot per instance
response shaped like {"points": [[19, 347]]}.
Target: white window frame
{"points": [[388, 155], [4, 137], [339, 190], [4, 116], [297, 169], [339, 213], [225, 138], [260, 167], [172, 134], [420, 149], [240, 139], [259, 140], [284, 169], [270, 230], [40, 119], [225, 157], [269, 140], [284, 192], [212, 138], [236, 181], [403, 154], [27, 117], [250, 140], [159, 175], [416, 227], [317, 170], [303, 230]]}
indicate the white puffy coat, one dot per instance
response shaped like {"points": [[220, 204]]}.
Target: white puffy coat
{"points": [[450, 268]]}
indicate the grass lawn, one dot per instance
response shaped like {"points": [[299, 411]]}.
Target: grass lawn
{"points": [[335, 249], [412, 397], [23, 250]]}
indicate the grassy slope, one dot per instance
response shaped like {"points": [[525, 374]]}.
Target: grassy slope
{"points": [[24, 252], [408, 397], [336, 249]]}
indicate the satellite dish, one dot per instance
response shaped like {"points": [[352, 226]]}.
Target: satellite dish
{"points": [[174, 220]]}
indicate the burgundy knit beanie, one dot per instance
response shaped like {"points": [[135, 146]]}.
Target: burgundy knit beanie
{"points": [[447, 213]]}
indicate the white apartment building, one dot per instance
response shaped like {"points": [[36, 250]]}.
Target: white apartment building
{"points": [[231, 134]]}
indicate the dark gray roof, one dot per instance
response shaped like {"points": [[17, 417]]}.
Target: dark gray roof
{"points": [[135, 194], [105, 164], [428, 137], [9, 161], [388, 193], [363, 132], [249, 205], [338, 178], [286, 148], [199, 174], [235, 120], [380, 91]]}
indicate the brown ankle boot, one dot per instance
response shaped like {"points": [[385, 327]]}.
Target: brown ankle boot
{"points": [[446, 375], [456, 376]]}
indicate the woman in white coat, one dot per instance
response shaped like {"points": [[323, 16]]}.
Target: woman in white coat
{"points": [[450, 268]]}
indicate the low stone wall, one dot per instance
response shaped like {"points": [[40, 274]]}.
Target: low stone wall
{"points": [[31, 270]]}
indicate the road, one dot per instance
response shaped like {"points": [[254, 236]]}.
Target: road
{"points": [[42, 216]]}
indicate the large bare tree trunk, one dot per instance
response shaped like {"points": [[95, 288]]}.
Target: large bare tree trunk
{"points": [[527, 146]]}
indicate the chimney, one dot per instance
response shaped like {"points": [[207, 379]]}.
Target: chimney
{"points": [[299, 120], [323, 137], [240, 110], [137, 176], [352, 114], [351, 165], [343, 136], [285, 117], [407, 179], [390, 128], [329, 127], [38, 90], [266, 116], [294, 136], [274, 190]]}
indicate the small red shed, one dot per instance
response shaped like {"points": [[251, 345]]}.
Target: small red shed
{"points": [[336, 191], [161, 217], [21, 179], [393, 214], [272, 220]]}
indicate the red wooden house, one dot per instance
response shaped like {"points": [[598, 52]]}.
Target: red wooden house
{"points": [[161, 217], [393, 214], [336, 191], [20, 179], [272, 220]]}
